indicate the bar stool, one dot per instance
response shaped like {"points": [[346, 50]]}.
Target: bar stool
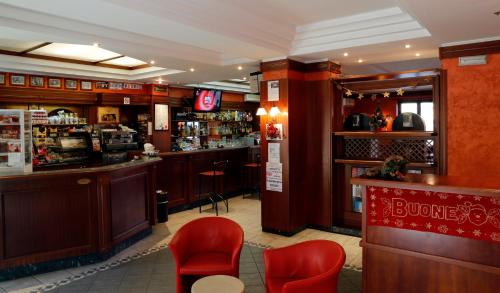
{"points": [[253, 168], [217, 172]]}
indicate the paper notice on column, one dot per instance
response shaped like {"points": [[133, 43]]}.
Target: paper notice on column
{"points": [[274, 177], [273, 90], [273, 152]]}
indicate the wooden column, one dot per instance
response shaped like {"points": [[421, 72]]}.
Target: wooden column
{"points": [[306, 103]]}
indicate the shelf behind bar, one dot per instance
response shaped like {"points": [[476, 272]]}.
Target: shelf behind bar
{"points": [[385, 133], [375, 163]]}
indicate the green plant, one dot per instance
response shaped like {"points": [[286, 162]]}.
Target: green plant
{"points": [[378, 120]]}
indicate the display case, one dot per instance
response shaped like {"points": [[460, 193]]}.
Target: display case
{"points": [[15, 141]]}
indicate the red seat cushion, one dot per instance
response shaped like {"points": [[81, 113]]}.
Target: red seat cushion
{"points": [[207, 263], [275, 285]]}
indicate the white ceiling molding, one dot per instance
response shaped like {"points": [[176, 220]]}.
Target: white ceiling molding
{"points": [[363, 29], [220, 85], [482, 40], [27, 65]]}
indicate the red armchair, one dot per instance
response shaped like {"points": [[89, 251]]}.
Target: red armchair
{"points": [[204, 247], [310, 266]]}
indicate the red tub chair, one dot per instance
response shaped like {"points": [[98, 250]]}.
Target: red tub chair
{"points": [[310, 266], [204, 247]]}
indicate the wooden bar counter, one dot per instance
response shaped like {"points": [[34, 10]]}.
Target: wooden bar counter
{"points": [[431, 233], [55, 219]]}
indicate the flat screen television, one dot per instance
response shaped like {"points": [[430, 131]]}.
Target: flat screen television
{"points": [[207, 100]]}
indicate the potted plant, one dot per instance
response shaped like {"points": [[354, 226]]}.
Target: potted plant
{"points": [[378, 120]]}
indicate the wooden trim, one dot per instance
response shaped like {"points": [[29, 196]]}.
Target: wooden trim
{"points": [[466, 264], [109, 59], [386, 133], [443, 124], [34, 48], [139, 66], [394, 75], [473, 49], [378, 163]]}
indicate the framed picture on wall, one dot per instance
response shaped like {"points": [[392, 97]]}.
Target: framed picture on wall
{"points": [[161, 117], [109, 115], [17, 79], [86, 85], [70, 84], [37, 81], [274, 131], [2, 78], [54, 82]]}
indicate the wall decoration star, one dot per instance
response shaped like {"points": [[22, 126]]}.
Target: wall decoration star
{"points": [[386, 94], [400, 92], [360, 96], [348, 93]]}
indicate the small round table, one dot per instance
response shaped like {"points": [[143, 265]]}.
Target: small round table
{"points": [[218, 283]]}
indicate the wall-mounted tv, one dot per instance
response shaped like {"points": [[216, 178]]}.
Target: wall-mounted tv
{"points": [[207, 100]]}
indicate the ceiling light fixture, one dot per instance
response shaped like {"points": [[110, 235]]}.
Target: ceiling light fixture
{"points": [[244, 78], [360, 60], [160, 80], [417, 54], [346, 54], [152, 62], [240, 67], [95, 45], [407, 46], [191, 69]]}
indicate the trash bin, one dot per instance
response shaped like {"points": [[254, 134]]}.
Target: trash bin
{"points": [[162, 206]]}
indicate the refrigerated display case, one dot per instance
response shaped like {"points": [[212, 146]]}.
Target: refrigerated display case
{"points": [[15, 141]]}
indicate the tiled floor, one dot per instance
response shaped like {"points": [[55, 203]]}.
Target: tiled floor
{"points": [[246, 212], [155, 273]]}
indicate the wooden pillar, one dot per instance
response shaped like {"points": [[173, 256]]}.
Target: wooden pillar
{"points": [[306, 103]]}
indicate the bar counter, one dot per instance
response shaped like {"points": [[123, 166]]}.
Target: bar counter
{"points": [[178, 173], [56, 219], [437, 233]]}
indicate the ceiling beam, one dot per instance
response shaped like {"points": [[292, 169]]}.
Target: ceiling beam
{"points": [[109, 59], [34, 48], [139, 66]]}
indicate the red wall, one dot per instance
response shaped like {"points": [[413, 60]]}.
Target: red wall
{"points": [[367, 106], [473, 118]]}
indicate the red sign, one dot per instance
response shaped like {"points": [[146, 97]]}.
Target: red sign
{"points": [[471, 216]]}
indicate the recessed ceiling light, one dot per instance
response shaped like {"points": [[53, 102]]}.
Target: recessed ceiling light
{"points": [[95, 45], [191, 69], [240, 67], [244, 78], [417, 54], [407, 46], [360, 60], [159, 80], [346, 54], [152, 62]]}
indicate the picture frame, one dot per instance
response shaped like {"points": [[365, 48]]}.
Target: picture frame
{"points": [[104, 85], [2, 78], [161, 117], [274, 131], [54, 82], [108, 115], [17, 80], [86, 85], [116, 86], [37, 81], [70, 84]]}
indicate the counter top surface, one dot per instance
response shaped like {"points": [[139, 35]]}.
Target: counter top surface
{"points": [[180, 153], [104, 168], [484, 185]]}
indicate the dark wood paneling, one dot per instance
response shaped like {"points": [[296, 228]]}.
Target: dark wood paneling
{"points": [[384, 273], [129, 203], [172, 177], [25, 95], [39, 222], [482, 48], [117, 99]]}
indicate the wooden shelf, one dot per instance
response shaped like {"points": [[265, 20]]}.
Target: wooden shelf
{"points": [[387, 134], [377, 163]]}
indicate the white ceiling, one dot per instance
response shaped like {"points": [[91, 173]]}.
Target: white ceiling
{"points": [[215, 36]]}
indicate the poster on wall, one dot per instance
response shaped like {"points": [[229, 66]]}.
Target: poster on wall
{"points": [[273, 152], [161, 117], [108, 115], [273, 90], [274, 177], [274, 131]]}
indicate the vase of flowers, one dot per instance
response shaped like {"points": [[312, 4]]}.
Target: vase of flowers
{"points": [[378, 121]]}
